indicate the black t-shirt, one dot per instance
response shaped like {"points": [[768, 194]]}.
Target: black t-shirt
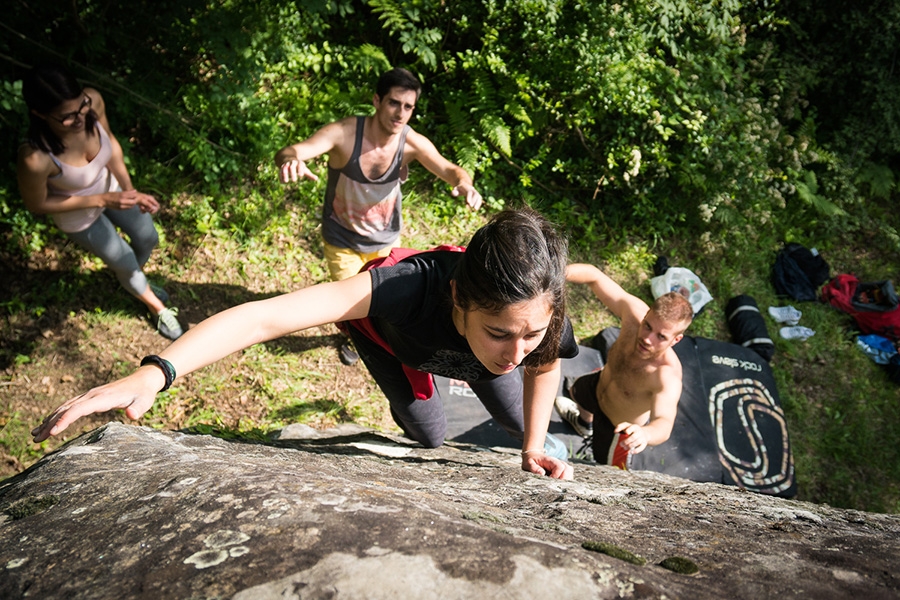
{"points": [[411, 308]]}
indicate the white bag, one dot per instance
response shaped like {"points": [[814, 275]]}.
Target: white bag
{"points": [[683, 281]]}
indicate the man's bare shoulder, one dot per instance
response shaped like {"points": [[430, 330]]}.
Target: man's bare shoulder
{"points": [[349, 122], [416, 142], [337, 139], [343, 128], [670, 369]]}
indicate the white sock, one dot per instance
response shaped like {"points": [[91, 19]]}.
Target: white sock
{"points": [[785, 314], [796, 333]]}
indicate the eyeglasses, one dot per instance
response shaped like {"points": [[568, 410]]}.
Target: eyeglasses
{"points": [[68, 119]]}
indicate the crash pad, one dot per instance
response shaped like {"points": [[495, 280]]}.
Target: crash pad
{"points": [[730, 427]]}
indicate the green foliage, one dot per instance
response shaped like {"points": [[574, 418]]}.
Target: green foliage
{"points": [[404, 19], [877, 179], [656, 113], [663, 115], [15, 436], [260, 75], [852, 84], [10, 101]]}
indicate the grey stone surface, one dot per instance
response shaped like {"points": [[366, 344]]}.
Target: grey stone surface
{"points": [[129, 512]]}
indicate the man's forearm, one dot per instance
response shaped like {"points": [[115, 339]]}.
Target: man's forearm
{"points": [[284, 155], [657, 431], [458, 176]]}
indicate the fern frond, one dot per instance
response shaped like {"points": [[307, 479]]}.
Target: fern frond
{"points": [[494, 129], [391, 13], [467, 155], [880, 179], [458, 118], [807, 191]]}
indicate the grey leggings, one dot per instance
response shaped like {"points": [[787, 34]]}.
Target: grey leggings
{"points": [[125, 260], [424, 420]]}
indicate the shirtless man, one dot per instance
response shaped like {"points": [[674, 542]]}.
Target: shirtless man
{"points": [[637, 391], [368, 159]]}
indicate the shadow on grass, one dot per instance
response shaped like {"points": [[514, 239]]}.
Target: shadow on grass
{"points": [[295, 413], [37, 302]]}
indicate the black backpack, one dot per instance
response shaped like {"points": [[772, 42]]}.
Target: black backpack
{"points": [[798, 273]]}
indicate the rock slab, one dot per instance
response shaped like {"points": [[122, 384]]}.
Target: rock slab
{"points": [[129, 512]]}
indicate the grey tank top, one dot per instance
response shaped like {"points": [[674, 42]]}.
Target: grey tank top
{"points": [[360, 213]]}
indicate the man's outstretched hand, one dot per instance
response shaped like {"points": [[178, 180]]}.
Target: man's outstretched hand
{"points": [[637, 438], [294, 170], [473, 198]]}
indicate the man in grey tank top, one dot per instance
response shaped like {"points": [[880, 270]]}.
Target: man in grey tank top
{"points": [[368, 158]]}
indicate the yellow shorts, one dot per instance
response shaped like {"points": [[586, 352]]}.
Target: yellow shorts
{"points": [[344, 262]]}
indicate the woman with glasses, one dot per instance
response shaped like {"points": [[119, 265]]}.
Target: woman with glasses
{"points": [[72, 168]]}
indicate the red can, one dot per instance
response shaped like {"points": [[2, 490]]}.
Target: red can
{"points": [[619, 454]]}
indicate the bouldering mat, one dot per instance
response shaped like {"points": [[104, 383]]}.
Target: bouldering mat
{"points": [[730, 427], [468, 421]]}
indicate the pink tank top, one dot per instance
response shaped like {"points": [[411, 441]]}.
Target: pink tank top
{"points": [[92, 178]]}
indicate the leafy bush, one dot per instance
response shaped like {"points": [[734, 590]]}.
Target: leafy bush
{"points": [[645, 115], [638, 116]]}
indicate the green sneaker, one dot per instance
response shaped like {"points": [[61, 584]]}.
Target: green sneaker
{"points": [[167, 324]]}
